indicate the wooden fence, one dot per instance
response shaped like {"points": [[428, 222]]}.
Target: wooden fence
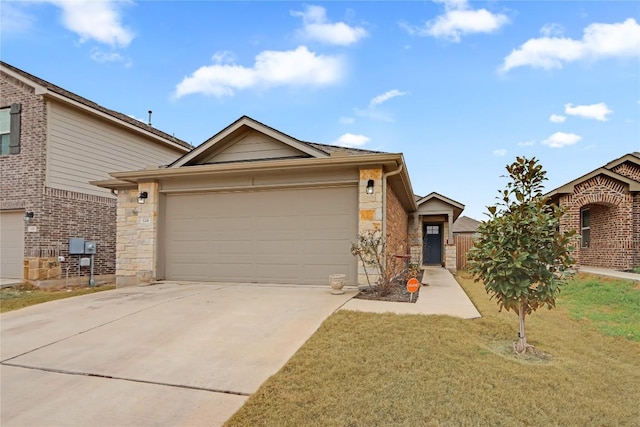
{"points": [[464, 242]]}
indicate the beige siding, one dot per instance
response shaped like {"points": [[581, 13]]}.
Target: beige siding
{"points": [[253, 146], [83, 148], [434, 206]]}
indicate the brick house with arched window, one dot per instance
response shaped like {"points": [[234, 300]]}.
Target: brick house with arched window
{"points": [[603, 207]]}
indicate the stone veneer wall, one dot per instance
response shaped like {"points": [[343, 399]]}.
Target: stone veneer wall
{"points": [[370, 212], [137, 231], [615, 216]]}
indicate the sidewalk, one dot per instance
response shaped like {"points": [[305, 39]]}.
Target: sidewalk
{"points": [[609, 273], [439, 294]]}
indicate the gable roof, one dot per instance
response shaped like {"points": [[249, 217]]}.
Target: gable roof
{"points": [[605, 170], [456, 207], [43, 87], [434, 195], [229, 134]]}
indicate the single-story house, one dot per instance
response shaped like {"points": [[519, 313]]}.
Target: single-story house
{"points": [[603, 207], [53, 142], [252, 204]]}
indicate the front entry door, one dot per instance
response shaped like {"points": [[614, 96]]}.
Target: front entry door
{"points": [[432, 244]]}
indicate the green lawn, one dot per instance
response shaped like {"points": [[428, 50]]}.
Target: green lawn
{"points": [[362, 369], [24, 296]]}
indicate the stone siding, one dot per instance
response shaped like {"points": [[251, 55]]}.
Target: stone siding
{"points": [[615, 216], [370, 213], [137, 234]]}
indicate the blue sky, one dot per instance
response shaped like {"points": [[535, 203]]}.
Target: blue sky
{"points": [[461, 88]]}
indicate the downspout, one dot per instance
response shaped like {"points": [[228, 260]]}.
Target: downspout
{"points": [[384, 202]]}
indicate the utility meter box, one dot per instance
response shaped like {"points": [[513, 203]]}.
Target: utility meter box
{"points": [[90, 248], [76, 246]]}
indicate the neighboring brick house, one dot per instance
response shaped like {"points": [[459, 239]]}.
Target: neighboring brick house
{"points": [[252, 204], [603, 207], [53, 142]]}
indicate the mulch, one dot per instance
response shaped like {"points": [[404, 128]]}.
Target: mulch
{"points": [[399, 293]]}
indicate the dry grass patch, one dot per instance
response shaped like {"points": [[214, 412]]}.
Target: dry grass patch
{"points": [[363, 369], [23, 296]]}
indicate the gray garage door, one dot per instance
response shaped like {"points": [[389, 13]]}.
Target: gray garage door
{"points": [[296, 236], [11, 245]]}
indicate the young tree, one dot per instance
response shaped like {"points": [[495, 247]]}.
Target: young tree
{"points": [[521, 256]]}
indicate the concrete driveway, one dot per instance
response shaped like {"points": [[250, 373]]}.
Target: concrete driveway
{"points": [[168, 354]]}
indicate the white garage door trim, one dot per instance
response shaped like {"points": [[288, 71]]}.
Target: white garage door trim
{"points": [[12, 244], [283, 235]]}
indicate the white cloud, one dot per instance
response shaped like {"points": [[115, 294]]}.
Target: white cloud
{"points": [[351, 140], [599, 41], [500, 152], [527, 143], [598, 111], [101, 56], [549, 30], [14, 19], [223, 57], [95, 20], [557, 118], [316, 27], [380, 99], [561, 139], [459, 20], [299, 67], [347, 120]]}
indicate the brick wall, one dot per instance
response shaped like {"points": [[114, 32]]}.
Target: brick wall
{"points": [[629, 170], [615, 220], [397, 225], [22, 175], [58, 214]]}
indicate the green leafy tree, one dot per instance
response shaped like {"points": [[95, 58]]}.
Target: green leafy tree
{"points": [[520, 255]]}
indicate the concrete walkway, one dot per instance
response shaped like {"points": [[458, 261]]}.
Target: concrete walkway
{"points": [[610, 273], [439, 294]]}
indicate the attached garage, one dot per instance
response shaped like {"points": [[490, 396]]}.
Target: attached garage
{"points": [[289, 236], [11, 244], [254, 205]]}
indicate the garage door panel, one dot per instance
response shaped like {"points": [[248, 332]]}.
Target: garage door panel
{"points": [[297, 236]]}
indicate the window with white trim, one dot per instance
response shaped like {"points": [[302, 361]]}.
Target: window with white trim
{"points": [[5, 130], [585, 227], [10, 129]]}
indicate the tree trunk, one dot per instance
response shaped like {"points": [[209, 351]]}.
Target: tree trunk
{"points": [[521, 346]]}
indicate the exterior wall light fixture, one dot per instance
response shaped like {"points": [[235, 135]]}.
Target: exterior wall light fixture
{"points": [[28, 216], [142, 197], [370, 186]]}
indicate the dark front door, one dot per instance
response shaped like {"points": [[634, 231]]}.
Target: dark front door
{"points": [[432, 244]]}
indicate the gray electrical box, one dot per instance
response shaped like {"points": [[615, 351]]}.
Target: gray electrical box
{"points": [[76, 246], [90, 248], [85, 262]]}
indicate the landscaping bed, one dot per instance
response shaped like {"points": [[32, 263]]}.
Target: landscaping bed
{"points": [[398, 292]]}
